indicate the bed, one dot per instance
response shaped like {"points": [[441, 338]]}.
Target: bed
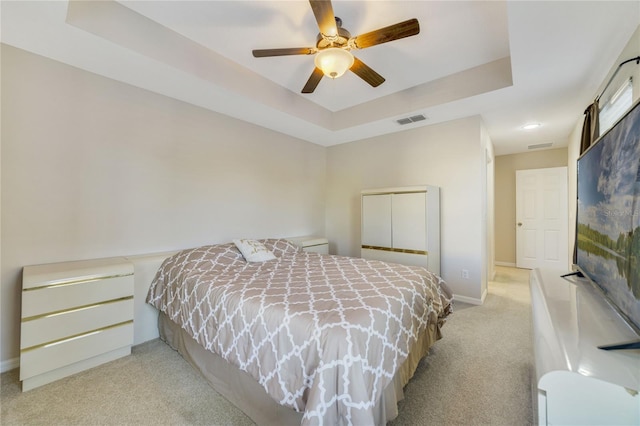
{"points": [[298, 337]]}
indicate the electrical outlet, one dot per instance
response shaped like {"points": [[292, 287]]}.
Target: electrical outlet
{"points": [[465, 274]]}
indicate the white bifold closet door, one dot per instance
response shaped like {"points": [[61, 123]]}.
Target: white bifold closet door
{"points": [[395, 221], [376, 220], [408, 221], [402, 225]]}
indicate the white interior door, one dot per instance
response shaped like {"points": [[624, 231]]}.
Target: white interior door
{"points": [[542, 218]]}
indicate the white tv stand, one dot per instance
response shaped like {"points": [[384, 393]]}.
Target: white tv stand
{"points": [[577, 383]]}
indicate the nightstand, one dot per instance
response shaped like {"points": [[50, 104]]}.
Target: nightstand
{"points": [[312, 244]]}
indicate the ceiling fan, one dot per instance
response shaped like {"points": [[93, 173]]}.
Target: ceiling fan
{"points": [[334, 44]]}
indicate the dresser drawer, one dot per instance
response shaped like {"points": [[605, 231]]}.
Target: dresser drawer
{"points": [[49, 328], [61, 297], [42, 359]]}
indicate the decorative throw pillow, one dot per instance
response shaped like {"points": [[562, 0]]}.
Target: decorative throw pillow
{"points": [[253, 251], [280, 247]]}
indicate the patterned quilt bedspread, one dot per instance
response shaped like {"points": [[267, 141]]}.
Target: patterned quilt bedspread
{"points": [[322, 334]]}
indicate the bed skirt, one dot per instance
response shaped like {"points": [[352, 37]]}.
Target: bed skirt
{"points": [[243, 391]]}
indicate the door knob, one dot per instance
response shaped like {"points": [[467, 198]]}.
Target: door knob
{"points": [[519, 223]]}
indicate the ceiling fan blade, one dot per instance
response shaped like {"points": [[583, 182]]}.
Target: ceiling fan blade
{"points": [[323, 11], [363, 71], [397, 31], [313, 81], [262, 53]]}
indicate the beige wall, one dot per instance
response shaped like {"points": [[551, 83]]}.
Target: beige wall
{"points": [[94, 168], [631, 50], [489, 207], [507, 164], [505, 195], [449, 155]]}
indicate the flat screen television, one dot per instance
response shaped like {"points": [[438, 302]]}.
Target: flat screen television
{"points": [[608, 217]]}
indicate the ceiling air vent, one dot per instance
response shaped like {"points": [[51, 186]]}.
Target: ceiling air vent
{"points": [[412, 119], [540, 145]]}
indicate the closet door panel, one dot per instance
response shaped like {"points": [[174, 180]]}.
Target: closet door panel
{"points": [[376, 220], [409, 221]]}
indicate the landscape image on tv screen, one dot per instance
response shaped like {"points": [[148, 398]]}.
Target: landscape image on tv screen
{"points": [[608, 217]]}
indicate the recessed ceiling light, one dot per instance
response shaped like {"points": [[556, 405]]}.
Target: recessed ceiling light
{"points": [[531, 126]]}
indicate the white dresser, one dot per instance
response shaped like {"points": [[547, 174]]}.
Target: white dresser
{"points": [[75, 315], [311, 243], [402, 225], [577, 383]]}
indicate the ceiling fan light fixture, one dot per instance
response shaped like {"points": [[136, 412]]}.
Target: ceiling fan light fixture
{"points": [[334, 61]]}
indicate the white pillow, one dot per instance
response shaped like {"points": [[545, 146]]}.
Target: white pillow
{"points": [[253, 251]]}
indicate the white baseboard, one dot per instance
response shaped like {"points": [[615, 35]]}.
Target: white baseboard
{"points": [[512, 265], [9, 364], [469, 300]]}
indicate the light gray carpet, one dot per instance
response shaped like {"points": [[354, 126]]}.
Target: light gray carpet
{"points": [[478, 374]]}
